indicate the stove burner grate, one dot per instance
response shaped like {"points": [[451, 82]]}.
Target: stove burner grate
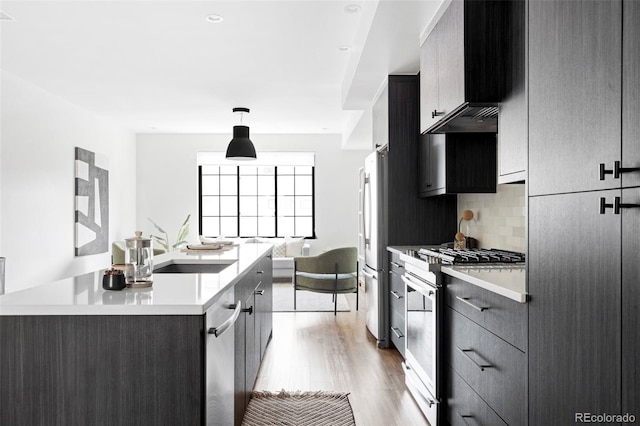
{"points": [[464, 256]]}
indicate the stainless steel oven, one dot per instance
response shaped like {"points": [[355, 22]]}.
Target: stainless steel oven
{"points": [[423, 310]]}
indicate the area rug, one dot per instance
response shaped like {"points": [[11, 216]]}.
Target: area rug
{"points": [[299, 409], [307, 301]]}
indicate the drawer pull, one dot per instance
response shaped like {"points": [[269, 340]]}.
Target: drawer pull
{"points": [[395, 294], [466, 301], [397, 332], [480, 366], [464, 417], [397, 265]]}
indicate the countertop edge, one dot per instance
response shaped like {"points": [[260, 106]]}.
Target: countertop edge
{"points": [[487, 285]]}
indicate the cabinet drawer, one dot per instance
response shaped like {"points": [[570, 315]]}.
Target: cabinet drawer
{"points": [[498, 314], [395, 264], [397, 292], [397, 330], [494, 369], [465, 407]]}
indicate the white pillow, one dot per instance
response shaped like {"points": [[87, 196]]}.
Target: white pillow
{"points": [[294, 246], [279, 249]]}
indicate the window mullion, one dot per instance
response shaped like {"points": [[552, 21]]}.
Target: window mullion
{"points": [[275, 216]]}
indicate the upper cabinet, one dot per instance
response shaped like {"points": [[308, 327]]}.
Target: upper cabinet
{"points": [[463, 64], [456, 163], [576, 96], [631, 90], [513, 120]]}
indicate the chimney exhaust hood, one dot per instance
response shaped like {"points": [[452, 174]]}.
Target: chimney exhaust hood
{"points": [[466, 66]]}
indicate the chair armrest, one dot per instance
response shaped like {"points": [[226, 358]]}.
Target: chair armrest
{"points": [[306, 249]]}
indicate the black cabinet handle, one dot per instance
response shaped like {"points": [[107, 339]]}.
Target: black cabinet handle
{"points": [[604, 205], [617, 205], [259, 292], [248, 310], [464, 417], [480, 366], [604, 171], [260, 272], [436, 113], [618, 169]]}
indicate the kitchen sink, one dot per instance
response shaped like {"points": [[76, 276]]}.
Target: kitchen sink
{"points": [[192, 268]]}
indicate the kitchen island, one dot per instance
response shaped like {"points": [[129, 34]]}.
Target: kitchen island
{"points": [[184, 351]]}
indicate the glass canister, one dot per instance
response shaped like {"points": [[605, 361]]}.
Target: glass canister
{"points": [[138, 259]]}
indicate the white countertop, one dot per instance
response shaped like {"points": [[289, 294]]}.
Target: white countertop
{"points": [[170, 294], [507, 280]]}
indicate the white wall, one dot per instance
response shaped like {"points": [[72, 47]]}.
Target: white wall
{"points": [[167, 182], [39, 132]]}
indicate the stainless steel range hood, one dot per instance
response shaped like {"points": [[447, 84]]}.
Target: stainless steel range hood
{"points": [[469, 118]]}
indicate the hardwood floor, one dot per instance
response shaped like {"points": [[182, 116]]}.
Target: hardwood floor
{"points": [[320, 351]]}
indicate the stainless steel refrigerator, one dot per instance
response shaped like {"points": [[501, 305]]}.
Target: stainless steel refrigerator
{"points": [[374, 234]]}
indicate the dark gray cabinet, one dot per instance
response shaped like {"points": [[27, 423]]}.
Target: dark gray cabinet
{"points": [[462, 64], [575, 96], [513, 116], [264, 303], [102, 370], [630, 303], [493, 368], [486, 353], [574, 312], [456, 163], [410, 220], [583, 122], [397, 302], [631, 92], [253, 329]]}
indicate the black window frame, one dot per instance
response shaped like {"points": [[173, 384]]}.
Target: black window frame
{"points": [[275, 217]]}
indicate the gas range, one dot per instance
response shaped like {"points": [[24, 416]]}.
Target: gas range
{"points": [[451, 256]]}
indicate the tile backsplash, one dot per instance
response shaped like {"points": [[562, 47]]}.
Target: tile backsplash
{"points": [[499, 219]]}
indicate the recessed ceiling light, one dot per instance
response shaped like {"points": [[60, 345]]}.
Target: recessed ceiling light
{"points": [[352, 8], [344, 48], [216, 19]]}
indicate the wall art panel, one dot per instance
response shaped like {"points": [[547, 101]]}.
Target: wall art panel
{"points": [[92, 203]]}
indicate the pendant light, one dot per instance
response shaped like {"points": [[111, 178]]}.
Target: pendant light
{"points": [[241, 147]]}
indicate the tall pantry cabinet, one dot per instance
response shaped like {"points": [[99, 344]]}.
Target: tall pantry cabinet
{"points": [[584, 209]]}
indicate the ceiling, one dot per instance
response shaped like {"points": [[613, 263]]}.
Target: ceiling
{"points": [[161, 66]]}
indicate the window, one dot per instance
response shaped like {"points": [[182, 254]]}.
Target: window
{"points": [[268, 199]]}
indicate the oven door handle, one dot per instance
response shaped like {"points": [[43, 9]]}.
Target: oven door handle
{"points": [[408, 281]]}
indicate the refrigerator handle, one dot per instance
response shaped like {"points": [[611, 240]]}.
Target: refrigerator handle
{"points": [[368, 275], [366, 190]]}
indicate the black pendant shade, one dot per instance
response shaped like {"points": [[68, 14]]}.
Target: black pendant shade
{"points": [[241, 147]]}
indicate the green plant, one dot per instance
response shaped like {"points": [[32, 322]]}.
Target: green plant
{"points": [[164, 241]]}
